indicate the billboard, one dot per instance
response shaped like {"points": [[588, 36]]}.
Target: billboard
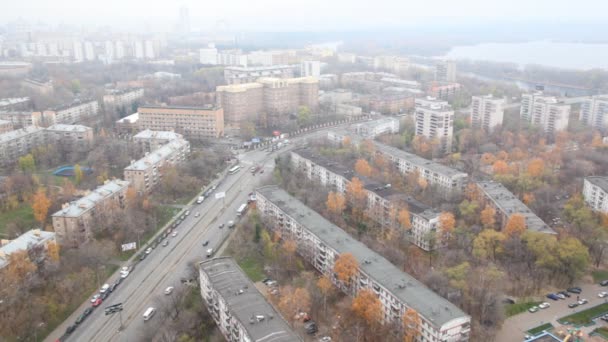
{"points": [[129, 246], [220, 195]]}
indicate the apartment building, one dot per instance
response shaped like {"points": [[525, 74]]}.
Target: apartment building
{"points": [[194, 123], [17, 143], [446, 179], [5, 126], [238, 308], [388, 102], [71, 137], [435, 121], [240, 74], [373, 128], [595, 193], [123, 98], [487, 112], [443, 90], [151, 140], [231, 57], [320, 243], [69, 114], [271, 96], [445, 71], [394, 64], [14, 103], [41, 86], [310, 69], [21, 119], [383, 203], [208, 55], [506, 204], [146, 173], [346, 57], [31, 238], [74, 223], [594, 111], [544, 111], [365, 80]]}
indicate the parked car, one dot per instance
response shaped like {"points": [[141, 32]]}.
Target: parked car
{"points": [[560, 296], [142, 256], [533, 309], [583, 301], [124, 274], [544, 305], [206, 242], [97, 302], [572, 305], [70, 329], [95, 297], [197, 214], [605, 318], [575, 289], [104, 295], [603, 294], [84, 315], [187, 212], [113, 286], [104, 288], [169, 290], [221, 225], [174, 234], [565, 293], [604, 282], [552, 296], [165, 243], [311, 327]]}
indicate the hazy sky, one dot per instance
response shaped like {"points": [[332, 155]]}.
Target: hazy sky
{"points": [[296, 15]]}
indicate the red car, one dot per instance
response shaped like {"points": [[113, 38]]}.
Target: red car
{"points": [[97, 302]]}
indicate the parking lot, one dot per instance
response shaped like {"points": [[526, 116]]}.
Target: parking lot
{"points": [[515, 327]]}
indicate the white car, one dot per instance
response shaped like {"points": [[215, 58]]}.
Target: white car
{"points": [[603, 294], [169, 290], [149, 250], [197, 214], [124, 269], [104, 288], [533, 309], [174, 234], [95, 297], [583, 301], [544, 305], [124, 274]]}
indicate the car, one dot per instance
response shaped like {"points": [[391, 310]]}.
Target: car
{"points": [[603, 294], [179, 222], [197, 214], [124, 274], [70, 329], [565, 293], [183, 217], [174, 224], [187, 212], [149, 250], [575, 289], [174, 234], [325, 339], [533, 309], [206, 242], [153, 245], [560, 296], [104, 288], [604, 318], [209, 252], [604, 282], [165, 243], [113, 287], [84, 315], [583, 301], [95, 297], [213, 188], [552, 296], [544, 305], [230, 224], [572, 305], [169, 290], [97, 302], [221, 225], [311, 327], [104, 295], [142, 256], [125, 269], [262, 171], [118, 281], [271, 283]]}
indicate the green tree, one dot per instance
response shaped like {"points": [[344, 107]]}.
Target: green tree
{"points": [[468, 210], [573, 257], [27, 163], [488, 244], [458, 275], [257, 236], [303, 116], [77, 174], [75, 85]]}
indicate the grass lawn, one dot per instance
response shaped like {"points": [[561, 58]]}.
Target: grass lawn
{"points": [[514, 309], [603, 331], [253, 268], [599, 275], [539, 329], [24, 214], [165, 214], [584, 317]]}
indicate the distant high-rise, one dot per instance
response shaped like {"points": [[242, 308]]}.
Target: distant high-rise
{"points": [[487, 112], [109, 51], [445, 71], [310, 68], [149, 49], [183, 25], [89, 51], [435, 121], [208, 55], [138, 50], [594, 111], [545, 111], [78, 54]]}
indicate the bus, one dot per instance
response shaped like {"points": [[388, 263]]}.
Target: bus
{"points": [[241, 209], [234, 169]]}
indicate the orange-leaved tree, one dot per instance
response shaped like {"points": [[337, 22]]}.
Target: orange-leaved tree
{"points": [[411, 325], [40, 205], [404, 218], [363, 168], [367, 306], [500, 167], [346, 267], [293, 301], [488, 217], [335, 202], [516, 225], [447, 223], [536, 167], [356, 192], [325, 286]]}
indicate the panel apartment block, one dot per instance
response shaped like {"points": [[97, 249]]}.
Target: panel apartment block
{"points": [[17, 143], [544, 111], [240, 75], [74, 223], [151, 140], [320, 242], [71, 137], [123, 98], [238, 308], [146, 173], [195, 123], [506, 204], [595, 193], [435, 121], [487, 112], [594, 111], [70, 114]]}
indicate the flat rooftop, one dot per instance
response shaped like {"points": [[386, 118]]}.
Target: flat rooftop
{"points": [[68, 128], [129, 118], [13, 100], [80, 206], [245, 302], [161, 135], [19, 133], [30, 238], [403, 286], [157, 155], [205, 107], [599, 181], [509, 204], [76, 103]]}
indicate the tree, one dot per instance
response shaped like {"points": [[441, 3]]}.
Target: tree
{"points": [[367, 306], [362, 167], [293, 301], [131, 197], [468, 210], [516, 225], [488, 159], [335, 203], [536, 167], [19, 266], [346, 267], [412, 325], [52, 250], [500, 167], [447, 223], [325, 286], [421, 146], [528, 198], [289, 246], [303, 116], [27, 163], [488, 217], [404, 218], [488, 244], [40, 205], [77, 174], [573, 257], [355, 191]]}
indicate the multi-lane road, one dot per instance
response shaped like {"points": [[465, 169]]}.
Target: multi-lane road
{"points": [[166, 266]]}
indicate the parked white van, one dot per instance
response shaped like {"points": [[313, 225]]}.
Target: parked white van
{"points": [[149, 313]]}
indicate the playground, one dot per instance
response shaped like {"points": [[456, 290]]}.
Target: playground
{"points": [[68, 171]]}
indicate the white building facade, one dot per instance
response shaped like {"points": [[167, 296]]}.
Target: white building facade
{"points": [[487, 112]]}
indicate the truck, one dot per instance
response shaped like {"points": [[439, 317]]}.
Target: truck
{"points": [[200, 199], [241, 209]]}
